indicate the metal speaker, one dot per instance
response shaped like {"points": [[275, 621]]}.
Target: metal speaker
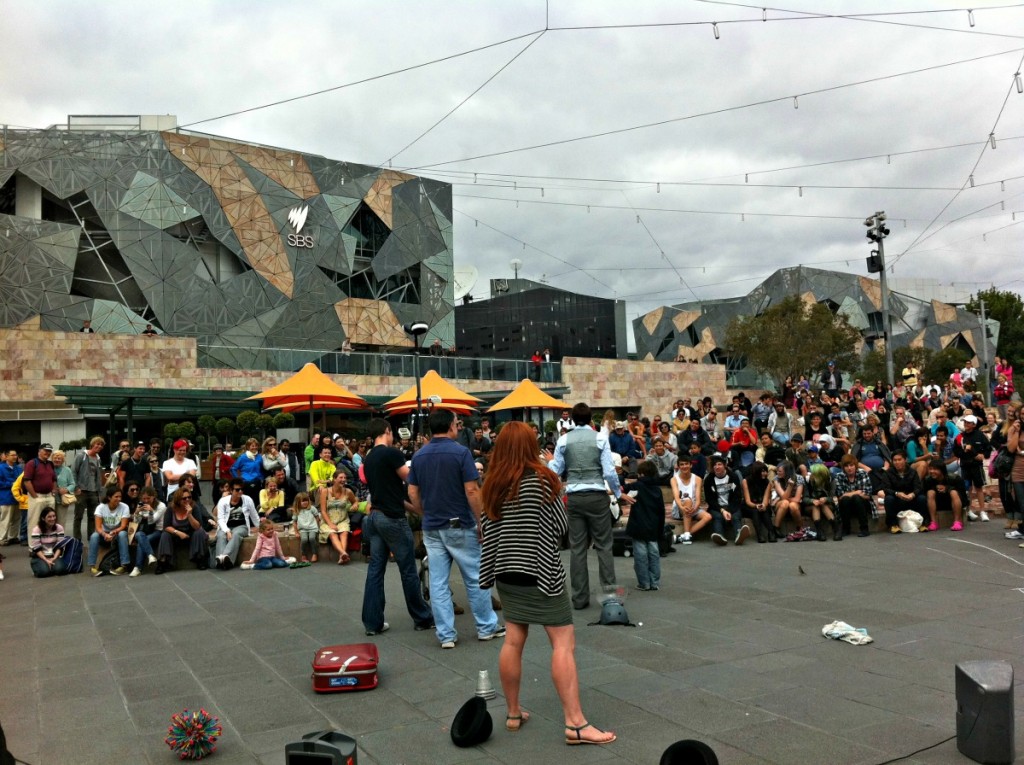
{"points": [[322, 747], [984, 711]]}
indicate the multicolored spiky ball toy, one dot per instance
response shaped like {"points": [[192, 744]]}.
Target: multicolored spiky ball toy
{"points": [[193, 735]]}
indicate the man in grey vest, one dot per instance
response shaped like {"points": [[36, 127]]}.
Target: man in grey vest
{"points": [[583, 456]]}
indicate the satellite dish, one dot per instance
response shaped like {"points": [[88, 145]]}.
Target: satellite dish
{"points": [[465, 279]]}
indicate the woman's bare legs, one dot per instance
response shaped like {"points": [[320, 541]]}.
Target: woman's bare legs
{"points": [[563, 673], [510, 665]]}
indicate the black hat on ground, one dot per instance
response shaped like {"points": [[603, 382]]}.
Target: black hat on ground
{"points": [[472, 724], [689, 752]]}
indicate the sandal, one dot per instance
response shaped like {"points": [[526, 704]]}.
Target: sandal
{"points": [[344, 559], [570, 741], [514, 722]]}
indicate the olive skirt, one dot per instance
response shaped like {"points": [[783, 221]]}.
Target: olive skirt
{"points": [[528, 605]]}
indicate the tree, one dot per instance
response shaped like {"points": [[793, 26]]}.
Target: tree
{"points": [[1008, 309], [793, 338], [207, 423], [283, 420], [872, 367], [224, 427], [264, 422], [187, 430], [172, 431], [942, 363], [247, 422]]}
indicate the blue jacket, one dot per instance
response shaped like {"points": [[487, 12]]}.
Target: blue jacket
{"points": [[248, 469], [623, 444], [8, 475]]}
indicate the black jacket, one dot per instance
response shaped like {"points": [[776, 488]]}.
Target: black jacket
{"points": [[908, 483], [735, 494], [647, 515]]}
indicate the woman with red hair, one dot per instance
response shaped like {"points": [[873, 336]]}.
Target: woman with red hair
{"points": [[523, 527]]}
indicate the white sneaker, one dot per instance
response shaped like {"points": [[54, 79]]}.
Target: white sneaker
{"points": [[248, 566], [1, 576], [984, 517], [1013, 534], [135, 572], [291, 559], [686, 538], [151, 560], [971, 515]]}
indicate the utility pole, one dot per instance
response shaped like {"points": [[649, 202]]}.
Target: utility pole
{"points": [[984, 386], [877, 231]]}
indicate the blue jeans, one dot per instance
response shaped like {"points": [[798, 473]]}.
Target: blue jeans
{"points": [[463, 547], [647, 563], [122, 548], [144, 547], [264, 563], [391, 535], [718, 520], [781, 438]]}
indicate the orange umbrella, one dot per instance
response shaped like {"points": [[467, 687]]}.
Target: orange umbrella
{"points": [[527, 394], [432, 384], [309, 389], [411, 407]]}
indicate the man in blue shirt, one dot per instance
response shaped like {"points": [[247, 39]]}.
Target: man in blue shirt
{"points": [[443, 487], [585, 457]]}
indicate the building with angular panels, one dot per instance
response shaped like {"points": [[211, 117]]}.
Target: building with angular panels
{"points": [[694, 331], [242, 246]]}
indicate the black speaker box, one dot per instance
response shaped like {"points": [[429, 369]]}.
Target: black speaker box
{"points": [[984, 711], [323, 747]]}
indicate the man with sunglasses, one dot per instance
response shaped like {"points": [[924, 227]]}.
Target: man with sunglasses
{"points": [[236, 519]]}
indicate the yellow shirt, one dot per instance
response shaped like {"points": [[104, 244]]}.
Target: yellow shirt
{"points": [[321, 472]]}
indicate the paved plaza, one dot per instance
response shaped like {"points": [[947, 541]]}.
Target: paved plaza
{"points": [[729, 651]]}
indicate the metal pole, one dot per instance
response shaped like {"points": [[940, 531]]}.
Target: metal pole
{"points": [[419, 395], [984, 387], [886, 318]]}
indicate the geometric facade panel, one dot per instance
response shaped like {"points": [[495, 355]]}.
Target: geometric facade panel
{"points": [[239, 245]]}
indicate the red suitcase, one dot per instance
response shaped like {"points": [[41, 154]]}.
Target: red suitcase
{"points": [[351, 667]]}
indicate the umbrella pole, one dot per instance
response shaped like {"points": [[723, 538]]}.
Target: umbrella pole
{"points": [[310, 435]]}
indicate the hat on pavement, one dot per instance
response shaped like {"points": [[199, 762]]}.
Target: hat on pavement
{"points": [[689, 752], [472, 724]]}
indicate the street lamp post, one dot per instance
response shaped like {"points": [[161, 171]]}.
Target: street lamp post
{"points": [[416, 329], [877, 232]]}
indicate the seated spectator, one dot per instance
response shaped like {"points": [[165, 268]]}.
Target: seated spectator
{"points": [[237, 519], [942, 449], [902, 427], [733, 421], [45, 546], [290, 489], [853, 497], [757, 499], [111, 528], [272, 502], [479, 446], [686, 494], [819, 499], [321, 472], [787, 496], [769, 452], [149, 517], [668, 437], [815, 427], [743, 444], [307, 527], [664, 462], [268, 552], [918, 452], [623, 444], [695, 434], [710, 424], [872, 455], [206, 520], [761, 411], [797, 455], [943, 491], [724, 498], [903, 491], [181, 527], [780, 424], [335, 503]]}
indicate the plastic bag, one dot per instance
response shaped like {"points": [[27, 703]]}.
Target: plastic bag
{"points": [[910, 521]]}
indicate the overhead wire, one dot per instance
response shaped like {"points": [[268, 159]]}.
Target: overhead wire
{"points": [[712, 112]]}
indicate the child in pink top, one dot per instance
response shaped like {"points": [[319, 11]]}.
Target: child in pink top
{"points": [[268, 552]]}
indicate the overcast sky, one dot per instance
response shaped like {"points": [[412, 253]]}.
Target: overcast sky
{"points": [[706, 203]]}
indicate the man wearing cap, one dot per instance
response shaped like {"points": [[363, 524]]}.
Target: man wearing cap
{"points": [[621, 442], [178, 466], [724, 496], [585, 457], [135, 467], [973, 448], [40, 483]]}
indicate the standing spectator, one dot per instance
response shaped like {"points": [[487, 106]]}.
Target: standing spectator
{"points": [[10, 510], [388, 532], [444, 489], [645, 525], [973, 448], [564, 422], [968, 376], [548, 372], [157, 479], [1002, 394], [311, 452], [122, 453], [272, 458], [65, 487], [831, 380], [87, 327], [293, 464], [522, 537], [1003, 367], [536, 360], [88, 484], [586, 458], [178, 466], [40, 483], [135, 467], [220, 465], [149, 331], [480, 445], [249, 467]]}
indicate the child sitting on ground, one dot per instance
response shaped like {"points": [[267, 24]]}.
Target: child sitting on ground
{"points": [[307, 526], [268, 552], [645, 525]]}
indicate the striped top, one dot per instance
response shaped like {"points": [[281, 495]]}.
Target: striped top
{"points": [[527, 540], [46, 542]]}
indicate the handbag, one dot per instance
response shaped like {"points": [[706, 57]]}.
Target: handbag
{"points": [[68, 499], [1002, 464]]}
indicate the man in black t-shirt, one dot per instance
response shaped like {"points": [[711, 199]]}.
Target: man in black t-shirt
{"points": [[134, 467], [387, 531]]}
